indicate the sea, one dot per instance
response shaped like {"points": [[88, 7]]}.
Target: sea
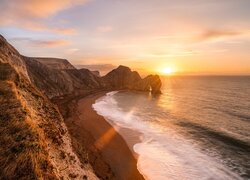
{"points": [[198, 128]]}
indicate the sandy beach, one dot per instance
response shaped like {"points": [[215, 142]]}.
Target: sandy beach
{"points": [[106, 148]]}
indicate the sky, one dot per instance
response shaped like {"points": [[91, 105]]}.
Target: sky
{"points": [[186, 36]]}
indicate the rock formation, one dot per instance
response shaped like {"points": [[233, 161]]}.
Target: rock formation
{"points": [[121, 78], [124, 78], [67, 80], [150, 83], [56, 82]]}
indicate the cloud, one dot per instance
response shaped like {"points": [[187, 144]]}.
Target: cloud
{"points": [[51, 43], [42, 43], [37, 8], [67, 31], [34, 26], [218, 34], [30, 14]]}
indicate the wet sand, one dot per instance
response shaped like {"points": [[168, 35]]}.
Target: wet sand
{"points": [[105, 139]]}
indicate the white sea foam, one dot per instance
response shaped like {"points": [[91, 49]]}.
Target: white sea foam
{"points": [[162, 153]]}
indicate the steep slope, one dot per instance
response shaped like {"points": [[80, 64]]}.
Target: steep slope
{"points": [[92, 79], [35, 143], [59, 82], [10, 55]]}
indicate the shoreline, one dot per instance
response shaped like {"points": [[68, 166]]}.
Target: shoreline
{"points": [[107, 151], [130, 136]]}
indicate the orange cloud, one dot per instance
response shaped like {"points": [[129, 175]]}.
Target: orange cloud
{"points": [[28, 13], [37, 8], [67, 31], [51, 43], [42, 43], [217, 34]]}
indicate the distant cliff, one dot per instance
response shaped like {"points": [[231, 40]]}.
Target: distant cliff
{"points": [[124, 78], [57, 77], [55, 63], [61, 78], [59, 82]]}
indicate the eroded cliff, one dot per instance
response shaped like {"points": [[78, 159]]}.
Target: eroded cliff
{"points": [[55, 81], [35, 143]]}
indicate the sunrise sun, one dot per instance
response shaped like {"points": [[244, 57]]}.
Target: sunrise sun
{"points": [[167, 71]]}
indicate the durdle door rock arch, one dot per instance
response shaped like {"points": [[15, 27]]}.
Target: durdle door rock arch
{"points": [[151, 83], [123, 78]]}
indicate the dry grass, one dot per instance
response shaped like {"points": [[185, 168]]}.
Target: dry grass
{"points": [[22, 154], [34, 142], [33, 139]]}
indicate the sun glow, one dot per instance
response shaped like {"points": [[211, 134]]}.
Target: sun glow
{"points": [[167, 71]]}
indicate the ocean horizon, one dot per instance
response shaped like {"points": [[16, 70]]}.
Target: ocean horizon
{"points": [[198, 128]]}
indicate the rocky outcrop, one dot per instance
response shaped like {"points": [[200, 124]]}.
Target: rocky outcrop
{"points": [[124, 78], [150, 83], [121, 78], [8, 54]]}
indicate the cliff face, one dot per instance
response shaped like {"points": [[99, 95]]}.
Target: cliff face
{"points": [[92, 79], [55, 81], [35, 143], [55, 63], [11, 56]]}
